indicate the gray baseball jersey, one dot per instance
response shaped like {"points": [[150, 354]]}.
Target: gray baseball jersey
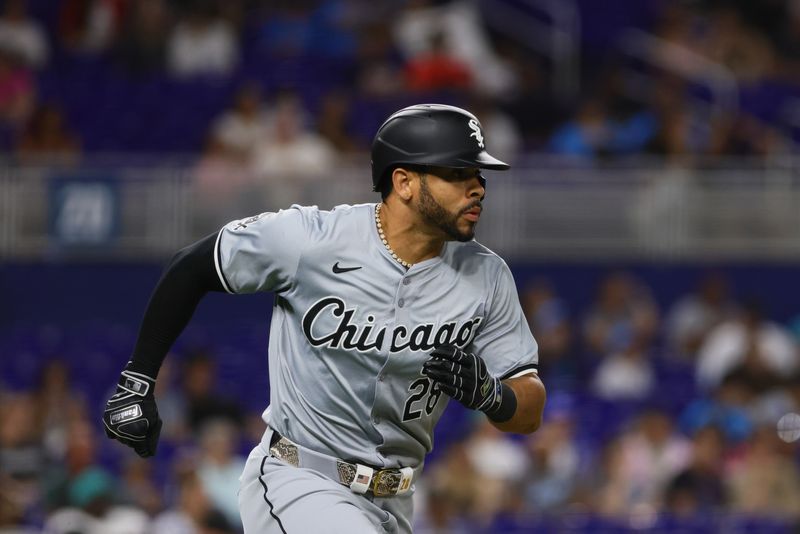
{"points": [[351, 327]]}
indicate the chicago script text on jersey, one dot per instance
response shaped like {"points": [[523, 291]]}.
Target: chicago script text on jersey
{"points": [[366, 337]]}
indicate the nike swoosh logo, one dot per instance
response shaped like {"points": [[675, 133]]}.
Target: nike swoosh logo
{"points": [[340, 270]]}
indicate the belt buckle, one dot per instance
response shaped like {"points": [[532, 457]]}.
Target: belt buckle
{"points": [[385, 482]]}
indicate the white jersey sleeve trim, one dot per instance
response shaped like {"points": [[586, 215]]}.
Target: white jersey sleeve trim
{"points": [[522, 371], [218, 263]]}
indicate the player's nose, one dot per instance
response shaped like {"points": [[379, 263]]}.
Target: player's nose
{"points": [[476, 187]]}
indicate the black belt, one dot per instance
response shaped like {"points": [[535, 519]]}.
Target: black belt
{"points": [[358, 477]]}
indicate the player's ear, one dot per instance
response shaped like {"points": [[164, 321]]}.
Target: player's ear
{"points": [[401, 183]]}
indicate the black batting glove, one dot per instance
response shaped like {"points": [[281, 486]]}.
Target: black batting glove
{"points": [[464, 377], [131, 416]]}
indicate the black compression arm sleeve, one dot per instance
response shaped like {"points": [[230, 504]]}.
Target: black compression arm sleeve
{"points": [[188, 277]]}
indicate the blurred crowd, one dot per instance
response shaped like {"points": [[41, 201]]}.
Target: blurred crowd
{"points": [[711, 78], [654, 409], [653, 413]]}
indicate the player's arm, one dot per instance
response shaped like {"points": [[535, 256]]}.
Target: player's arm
{"points": [[512, 405], [529, 394], [131, 416]]}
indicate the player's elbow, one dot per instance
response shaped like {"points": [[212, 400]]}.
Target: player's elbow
{"points": [[531, 425]]}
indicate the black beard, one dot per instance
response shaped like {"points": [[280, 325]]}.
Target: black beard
{"points": [[435, 215]]}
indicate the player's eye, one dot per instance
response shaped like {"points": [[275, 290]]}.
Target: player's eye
{"points": [[458, 175]]}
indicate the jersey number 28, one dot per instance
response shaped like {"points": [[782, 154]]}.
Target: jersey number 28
{"points": [[420, 388]]}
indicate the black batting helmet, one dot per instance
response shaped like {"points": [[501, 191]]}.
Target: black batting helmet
{"points": [[430, 134]]}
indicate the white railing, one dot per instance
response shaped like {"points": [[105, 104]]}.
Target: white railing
{"points": [[541, 210]]}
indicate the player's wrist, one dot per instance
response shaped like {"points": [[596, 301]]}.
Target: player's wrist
{"points": [[133, 381], [143, 366], [505, 405]]}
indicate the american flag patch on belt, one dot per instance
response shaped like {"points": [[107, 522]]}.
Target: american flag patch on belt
{"points": [[362, 479]]}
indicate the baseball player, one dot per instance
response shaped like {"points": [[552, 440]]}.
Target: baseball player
{"points": [[382, 313]]}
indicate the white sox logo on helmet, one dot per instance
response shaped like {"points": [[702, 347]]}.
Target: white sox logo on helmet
{"points": [[476, 132]]}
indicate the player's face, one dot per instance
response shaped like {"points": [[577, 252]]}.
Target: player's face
{"points": [[450, 200]]}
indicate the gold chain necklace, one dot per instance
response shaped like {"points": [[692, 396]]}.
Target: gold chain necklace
{"points": [[399, 260]]}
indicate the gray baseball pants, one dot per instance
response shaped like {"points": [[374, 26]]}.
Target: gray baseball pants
{"points": [[277, 498]]}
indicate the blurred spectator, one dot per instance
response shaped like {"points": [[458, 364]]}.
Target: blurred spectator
{"points": [[22, 457], [632, 122], [641, 465], [732, 42], [608, 123], [219, 467], [556, 460], [478, 477], [17, 91], [203, 402], [622, 314], [379, 68], [286, 28], [11, 518], [694, 315], [764, 348], [312, 29], [448, 492], [333, 122], [464, 39], [242, 128], [699, 489], [787, 42], [765, 481], [435, 70], [220, 176], [137, 487], [58, 405], [499, 464], [92, 509], [171, 404], [292, 149], [22, 36], [141, 48], [80, 456], [90, 26], [47, 138], [334, 25], [728, 408], [549, 321], [626, 374], [531, 104], [685, 129], [192, 513], [782, 398], [745, 135], [586, 135], [202, 43], [436, 512]]}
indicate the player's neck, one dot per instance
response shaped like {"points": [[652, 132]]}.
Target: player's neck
{"points": [[407, 236]]}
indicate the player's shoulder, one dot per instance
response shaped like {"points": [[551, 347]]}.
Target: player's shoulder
{"points": [[314, 216], [472, 255], [342, 222], [342, 214]]}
